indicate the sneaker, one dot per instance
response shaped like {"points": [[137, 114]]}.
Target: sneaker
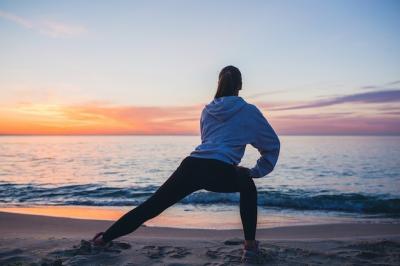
{"points": [[98, 241], [251, 255]]}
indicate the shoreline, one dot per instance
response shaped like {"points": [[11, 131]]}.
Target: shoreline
{"points": [[14, 224], [198, 217], [29, 239]]}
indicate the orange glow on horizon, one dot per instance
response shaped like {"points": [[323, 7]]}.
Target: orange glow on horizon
{"points": [[38, 119], [108, 119]]}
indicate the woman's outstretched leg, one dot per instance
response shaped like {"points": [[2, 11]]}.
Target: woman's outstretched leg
{"points": [[173, 190]]}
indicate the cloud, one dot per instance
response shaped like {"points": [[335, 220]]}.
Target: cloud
{"points": [[386, 96], [299, 117], [99, 118], [392, 113], [135, 119], [16, 19], [384, 86], [370, 87], [396, 82], [261, 94], [337, 124], [50, 28], [57, 29]]}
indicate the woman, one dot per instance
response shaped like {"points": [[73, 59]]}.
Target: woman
{"points": [[227, 124]]}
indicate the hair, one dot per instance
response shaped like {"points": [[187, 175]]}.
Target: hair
{"points": [[229, 82]]}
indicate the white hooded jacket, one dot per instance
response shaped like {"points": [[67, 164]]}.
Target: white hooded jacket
{"points": [[227, 125]]}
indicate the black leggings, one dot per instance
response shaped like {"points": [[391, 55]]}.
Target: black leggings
{"points": [[193, 174]]}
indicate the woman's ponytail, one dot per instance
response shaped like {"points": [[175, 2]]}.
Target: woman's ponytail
{"points": [[229, 82]]}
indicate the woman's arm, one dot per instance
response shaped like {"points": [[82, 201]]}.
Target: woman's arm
{"points": [[267, 143]]}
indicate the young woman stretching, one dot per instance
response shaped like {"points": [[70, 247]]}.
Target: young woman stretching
{"points": [[227, 124]]}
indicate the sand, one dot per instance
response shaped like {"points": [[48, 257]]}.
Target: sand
{"points": [[42, 240]]}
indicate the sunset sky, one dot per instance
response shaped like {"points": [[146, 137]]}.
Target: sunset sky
{"points": [[149, 67]]}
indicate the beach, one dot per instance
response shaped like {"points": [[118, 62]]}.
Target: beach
{"points": [[43, 240]]}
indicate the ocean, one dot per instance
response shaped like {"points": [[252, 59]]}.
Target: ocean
{"points": [[318, 179]]}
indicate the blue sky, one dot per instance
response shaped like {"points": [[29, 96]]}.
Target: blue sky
{"points": [[169, 53]]}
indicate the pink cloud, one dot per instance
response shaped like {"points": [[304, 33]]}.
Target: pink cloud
{"points": [[47, 27]]}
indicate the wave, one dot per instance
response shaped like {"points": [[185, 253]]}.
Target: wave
{"points": [[301, 200], [96, 195]]}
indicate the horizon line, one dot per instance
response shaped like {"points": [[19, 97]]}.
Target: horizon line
{"points": [[192, 135]]}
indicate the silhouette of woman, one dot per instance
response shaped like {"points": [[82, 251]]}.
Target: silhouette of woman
{"points": [[227, 125]]}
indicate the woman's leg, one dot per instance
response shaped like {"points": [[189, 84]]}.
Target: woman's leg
{"points": [[173, 190], [248, 207], [223, 177]]}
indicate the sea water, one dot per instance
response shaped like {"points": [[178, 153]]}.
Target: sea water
{"points": [[317, 179]]}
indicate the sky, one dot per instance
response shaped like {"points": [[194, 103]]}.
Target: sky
{"points": [[149, 67]]}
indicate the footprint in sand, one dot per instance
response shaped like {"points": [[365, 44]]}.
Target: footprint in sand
{"points": [[232, 255], [383, 252], [157, 252], [84, 248], [233, 241]]}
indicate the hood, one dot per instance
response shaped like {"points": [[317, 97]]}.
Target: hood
{"points": [[223, 108]]}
